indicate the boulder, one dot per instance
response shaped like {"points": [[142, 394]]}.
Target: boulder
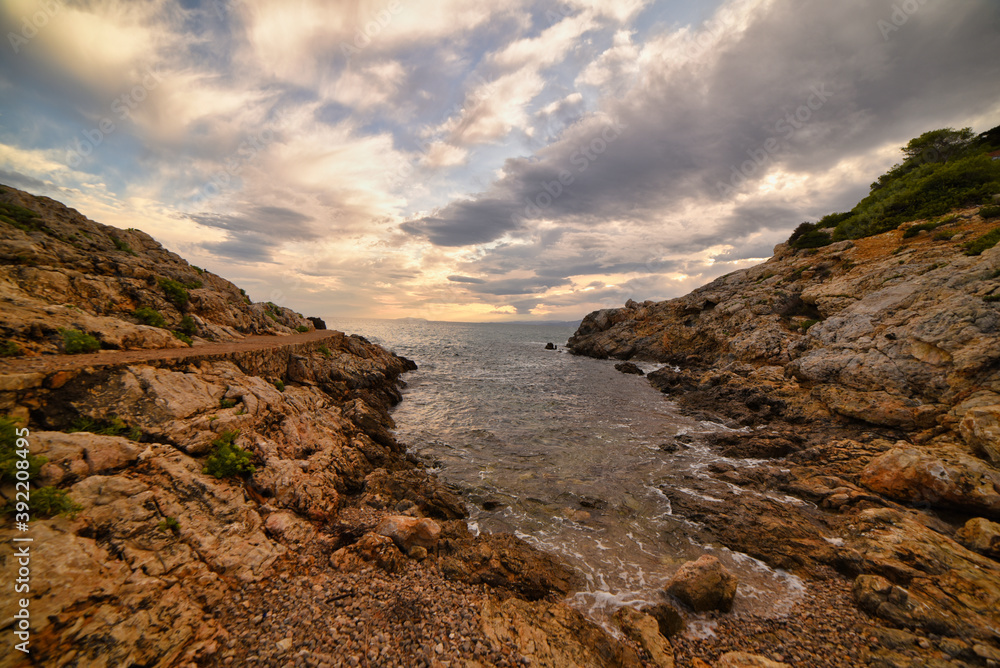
{"points": [[371, 548], [745, 660], [944, 477], [704, 585], [880, 408], [550, 346], [318, 323], [410, 532], [982, 536], [644, 631], [981, 430], [629, 368]]}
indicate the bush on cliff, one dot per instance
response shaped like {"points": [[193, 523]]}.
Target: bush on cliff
{"points": [[52, 501], [9, 457], [984, 243], [943, 170], [175, 292], [149, 316], [77, 342], [228, 460]]}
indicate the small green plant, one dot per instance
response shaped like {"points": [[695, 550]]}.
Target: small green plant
{"points": [[21, 218], [187, 326], [175, 292], [9, 349], [272, 316], [324, 351], [914, 230], [228, 460], [992, 298], [193, 284], [113, 427], [149, 316], [301, 329], [280, 385], [944, 236], [198, 269], [984, 243], [9, 456], [807, 324], [76, 342], [121, 245], [990, 212], [181, 336], [52, 501], [808, 235], [226, 403], [170, 524]]}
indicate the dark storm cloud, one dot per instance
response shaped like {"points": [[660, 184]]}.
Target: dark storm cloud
{"points": [[243, 248], [805, 86], [275, 222], [19, 180]]}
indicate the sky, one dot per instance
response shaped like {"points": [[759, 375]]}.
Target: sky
{"points": [[478, 160]]}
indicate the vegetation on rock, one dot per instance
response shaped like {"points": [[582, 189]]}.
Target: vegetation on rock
{"points": [[8, 454], [77, 342], [228, 460], [150, 316], [175, 292]]}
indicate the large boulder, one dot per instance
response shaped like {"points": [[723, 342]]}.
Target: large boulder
{"points": [[945, 477], [629, 368], [704, 585], [981, 430], [410, 532], [982, 536]]}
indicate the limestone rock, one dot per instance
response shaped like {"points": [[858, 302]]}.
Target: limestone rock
{"points": [[704, 584], [410, 532], [982, 536], [645, 632], [553, 634], [745, 660], [981, 430], [940, 478], [289, 528]]}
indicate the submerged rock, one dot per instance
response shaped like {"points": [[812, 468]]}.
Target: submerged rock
{"points": [[703, 585], [630, 368], [550, 346]]}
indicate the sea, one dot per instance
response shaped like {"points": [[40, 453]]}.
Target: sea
{"points": [[564, 451]]}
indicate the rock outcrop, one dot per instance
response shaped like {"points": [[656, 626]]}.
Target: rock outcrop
{"points": [[703, 585], [868, 371]]}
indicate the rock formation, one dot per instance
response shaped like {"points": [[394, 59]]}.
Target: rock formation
{"points": [[868, 372]]}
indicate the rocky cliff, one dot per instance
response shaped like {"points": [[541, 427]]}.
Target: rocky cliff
{"points": [[61, 271], [863, 378], [241, 503]]}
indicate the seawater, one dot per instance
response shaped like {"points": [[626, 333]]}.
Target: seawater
{"points": [[563, 451]]}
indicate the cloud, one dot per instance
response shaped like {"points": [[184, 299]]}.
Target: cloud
{"points": [[279, 223], [465, 279]]}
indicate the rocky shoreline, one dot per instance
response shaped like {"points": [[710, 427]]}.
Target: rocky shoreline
{"points": [[864, 378]]}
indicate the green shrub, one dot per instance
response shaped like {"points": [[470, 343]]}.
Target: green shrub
{"points": [[121, 245], [324, 351], [181, 336], [198, 269], [21, 218], [75, 342], [193, 284], [990, 212], [272, 316], [301, 329], [280, 385], [226, 403], [9, 456], [983, 243], [228, 459], [807, 235], [150, 316], [175, 292], [992, 298], [51, 501], [170, 524], [9, 348], [113, 427], [807, 324], [914, 230], [944, 236], [187, 326]]}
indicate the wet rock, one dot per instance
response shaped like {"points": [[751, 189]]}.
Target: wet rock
{"points": [[667, 617], [553, 634], [430, 496], [667, 380], [943, 477], [982, 536], [410, 532], [745, 660], [629, 368], [550, 346], [704, 584], [644, 631]]}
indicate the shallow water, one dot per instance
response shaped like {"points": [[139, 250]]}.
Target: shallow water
{"points": [[564, 452]]}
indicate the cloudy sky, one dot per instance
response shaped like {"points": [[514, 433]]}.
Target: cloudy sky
{"points": [[478, 159]]}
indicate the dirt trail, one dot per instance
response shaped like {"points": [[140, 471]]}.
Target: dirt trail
{"points": [[52, 363]]}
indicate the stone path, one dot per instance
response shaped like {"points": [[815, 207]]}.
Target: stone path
{"points": [[52, 363]]}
